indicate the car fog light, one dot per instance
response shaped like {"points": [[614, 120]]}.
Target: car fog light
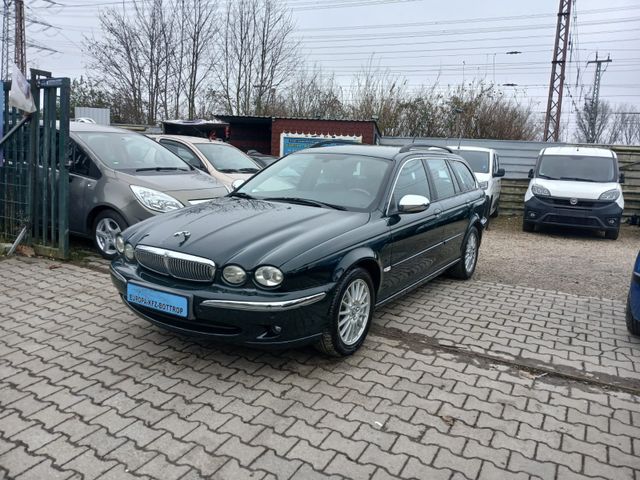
{"points": [[119, 244], [234, 274], [612, 221], [533, 214], [269, 276], [129, 252]]}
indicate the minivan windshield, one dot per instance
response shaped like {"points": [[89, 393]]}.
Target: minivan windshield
{"points": [[227, 159], [131, 151], [340, 181], [478, 161], [582, 168]]}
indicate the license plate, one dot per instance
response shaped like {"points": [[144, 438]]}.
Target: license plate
{"points": [[161, 301]]}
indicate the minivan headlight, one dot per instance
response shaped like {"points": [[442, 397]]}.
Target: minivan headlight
{"points": [[269, 276], [154, 200], [540, 191], [610, 195]]}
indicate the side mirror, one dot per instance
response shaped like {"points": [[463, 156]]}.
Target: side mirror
{"points": [[499, 173], [621, 179], [531, 173], [413, 204], [237, 184]]}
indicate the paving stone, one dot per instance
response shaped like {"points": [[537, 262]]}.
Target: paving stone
{"points": [[202, 461], [242, 452], [280, 467], [159, 467], [18, 460], [341, 465]]}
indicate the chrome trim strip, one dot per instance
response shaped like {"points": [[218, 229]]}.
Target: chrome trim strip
{"points": [[439, 244], [265, 306], [415, 284]]}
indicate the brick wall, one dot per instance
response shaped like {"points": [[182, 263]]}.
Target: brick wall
{"points": [[366, 129]]}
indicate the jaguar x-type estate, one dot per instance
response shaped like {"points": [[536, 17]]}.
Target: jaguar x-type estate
{"points": [[307, 248]]}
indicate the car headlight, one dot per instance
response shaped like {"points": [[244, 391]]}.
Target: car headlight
{"points": [[483, 185], [129, 252], [120, 244], [154, 200], [269, 276], [234, 274], [610, 195], [540, 191]]}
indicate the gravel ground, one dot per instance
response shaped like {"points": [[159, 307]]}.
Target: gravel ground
{"points": [[565, 260]]}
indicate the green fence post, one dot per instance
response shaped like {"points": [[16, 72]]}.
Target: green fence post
{"points": [[63, 189]]}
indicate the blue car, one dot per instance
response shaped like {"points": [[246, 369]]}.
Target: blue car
{"points": [[633, 302]]}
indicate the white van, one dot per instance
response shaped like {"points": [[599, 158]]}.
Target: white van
{"points": [[485, 164], [576, 187]]}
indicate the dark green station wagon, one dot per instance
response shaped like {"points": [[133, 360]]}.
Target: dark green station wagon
{"points": [[307, 248]]}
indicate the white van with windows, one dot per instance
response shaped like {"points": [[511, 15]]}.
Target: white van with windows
{"points": [[575, 187], [485, 164]]}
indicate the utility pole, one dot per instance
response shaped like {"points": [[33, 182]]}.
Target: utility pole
{"points": [[595, 98], [556, 84], [20, 48], [6, 38]]}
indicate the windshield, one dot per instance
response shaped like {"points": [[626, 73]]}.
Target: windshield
{"points": [[478, 161], [227, 159], [130, 151], [345, 181], [577, 167]]}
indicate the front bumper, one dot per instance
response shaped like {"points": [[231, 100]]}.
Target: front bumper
{"points": [[253, 317], [586, 214]]}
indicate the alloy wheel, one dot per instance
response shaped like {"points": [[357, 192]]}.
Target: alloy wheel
{"points": [[471, 252], [106, 231], [355, 306]]}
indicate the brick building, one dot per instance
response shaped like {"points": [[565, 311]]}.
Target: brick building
{"points": [[279, 136]]}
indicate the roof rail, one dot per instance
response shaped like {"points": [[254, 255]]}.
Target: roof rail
{"points": [[421, 146], [332, 142]]}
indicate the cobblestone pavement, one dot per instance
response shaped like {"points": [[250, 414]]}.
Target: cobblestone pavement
{"points": [[442, 389]]}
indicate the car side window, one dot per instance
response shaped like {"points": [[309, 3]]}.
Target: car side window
{"points": [[412, 180], [465, 178], [184, 153], [443, 182], [80, 162]]}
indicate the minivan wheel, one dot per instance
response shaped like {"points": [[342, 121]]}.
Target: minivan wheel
{"points": [[612, 234], [350, 315], [528, 226], [467, 265], [106, 226], [496, 211]]}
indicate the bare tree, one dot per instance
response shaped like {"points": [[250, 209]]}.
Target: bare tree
{"points": [[593, 123], [132, 55], [624, 127], [258, 54]]}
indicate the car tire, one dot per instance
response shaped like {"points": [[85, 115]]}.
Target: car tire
{"points": [[633, 324], [528, 226], [465, 268], [106, 226], [349, 317], [612, 234], [496, 211]]}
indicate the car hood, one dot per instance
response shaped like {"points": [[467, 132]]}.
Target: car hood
{"points": [[575, 189], [246, 232], [182, 186]]}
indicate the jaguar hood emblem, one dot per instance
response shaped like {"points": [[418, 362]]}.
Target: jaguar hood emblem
{"points": [[185, 236]]}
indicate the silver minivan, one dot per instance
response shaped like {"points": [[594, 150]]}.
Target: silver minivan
{"points": [[118, 178]]}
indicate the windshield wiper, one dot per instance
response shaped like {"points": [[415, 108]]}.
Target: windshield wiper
{"points": [[247, 170], [241, 195], [161, 169], [304, 201], [542, 175], [576, 179]]}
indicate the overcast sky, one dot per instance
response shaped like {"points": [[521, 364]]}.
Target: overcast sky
{"points": [[423, 40]]}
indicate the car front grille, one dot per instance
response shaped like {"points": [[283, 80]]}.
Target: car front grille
{"points": [[175, 264], [578, 221]]}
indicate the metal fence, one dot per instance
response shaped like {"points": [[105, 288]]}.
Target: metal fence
{"points": [[34, 181]]}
